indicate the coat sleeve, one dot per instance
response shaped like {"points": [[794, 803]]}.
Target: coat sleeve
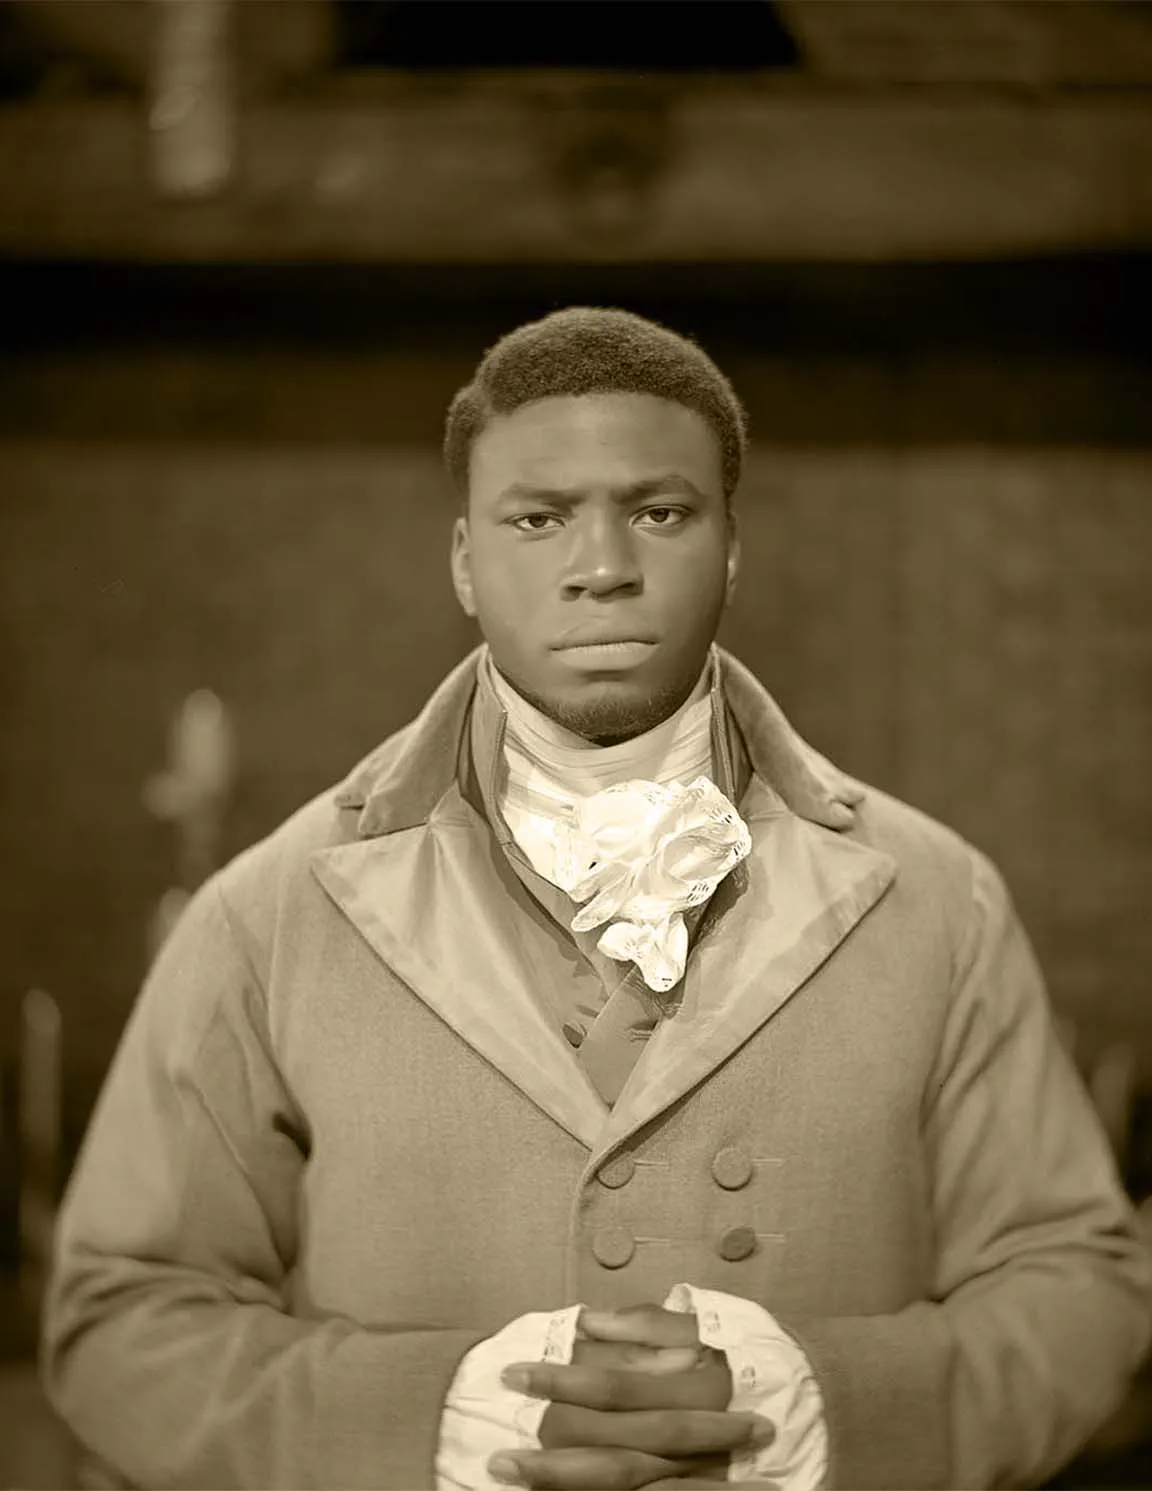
{"points": [[169, 1347], [1041, 1306]]}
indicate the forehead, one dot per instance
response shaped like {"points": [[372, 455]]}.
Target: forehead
{"points": [[592, 438]]}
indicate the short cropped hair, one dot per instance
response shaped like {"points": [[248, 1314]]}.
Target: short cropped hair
{"points": [[588, 350]]}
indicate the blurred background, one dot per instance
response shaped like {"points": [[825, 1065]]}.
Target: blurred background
{"points": [[250, 248]]}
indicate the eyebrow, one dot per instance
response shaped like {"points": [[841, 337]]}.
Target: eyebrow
{"points": [[669, 483]]}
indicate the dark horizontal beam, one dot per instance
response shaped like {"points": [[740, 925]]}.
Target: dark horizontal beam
{"points": [[1067, 304], [515, 173], [1019, 354]]}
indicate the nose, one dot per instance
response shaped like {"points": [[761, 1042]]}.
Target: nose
{"points": [[603, 559]]}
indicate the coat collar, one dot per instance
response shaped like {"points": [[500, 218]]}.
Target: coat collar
{"points": [[400, 784], [431, 890]]}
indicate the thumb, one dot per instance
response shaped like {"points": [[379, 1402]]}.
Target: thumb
{"points": [[643, 1325]]}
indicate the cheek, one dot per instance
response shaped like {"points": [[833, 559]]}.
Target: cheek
{"points": [[694, 591], [512, 598]]}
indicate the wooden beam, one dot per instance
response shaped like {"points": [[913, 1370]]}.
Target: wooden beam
{"points": [[1030, 43], [513, 172], [890, 41]]}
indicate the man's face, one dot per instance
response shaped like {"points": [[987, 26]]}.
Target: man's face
{"points": [[597, 556]]}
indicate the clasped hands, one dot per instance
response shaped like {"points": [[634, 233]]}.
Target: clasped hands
{"points": [[641, 1404]]}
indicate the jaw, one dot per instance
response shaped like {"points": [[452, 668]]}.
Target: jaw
{"points": [[609, 710]]}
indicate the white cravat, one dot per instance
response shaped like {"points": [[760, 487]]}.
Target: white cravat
{"points": [[637, 833], [548, 768]]}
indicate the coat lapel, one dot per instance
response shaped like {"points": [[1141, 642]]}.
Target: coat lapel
{"points": [[443, 909], [429, 887], [771, 925]]}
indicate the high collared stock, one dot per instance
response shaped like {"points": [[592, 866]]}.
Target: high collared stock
{"points": [[344, 1140]]}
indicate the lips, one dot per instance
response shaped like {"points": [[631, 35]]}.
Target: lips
{"points": [[599, 639]]}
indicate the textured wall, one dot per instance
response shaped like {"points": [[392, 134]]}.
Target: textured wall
{"points": [[972, 630], [965, 622]]}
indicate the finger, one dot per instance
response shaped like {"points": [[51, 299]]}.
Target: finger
{"points": [[645, 1325], [657, 1361], [704, 1478], [610, 1391], [708, 1482], [660, 1361], [677, 1433], [580, 1469]]}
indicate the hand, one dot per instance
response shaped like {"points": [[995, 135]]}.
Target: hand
{"points": [[642, 1401], [647, 1338]]}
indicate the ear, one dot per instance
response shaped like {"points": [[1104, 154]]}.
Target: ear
{"points": [[733, 558], [462, 566]]}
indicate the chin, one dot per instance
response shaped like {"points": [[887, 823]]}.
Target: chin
{"points": [[608, 713]]}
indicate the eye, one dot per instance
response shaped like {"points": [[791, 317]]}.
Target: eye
{"points": [[664, 517], [533, 522]]}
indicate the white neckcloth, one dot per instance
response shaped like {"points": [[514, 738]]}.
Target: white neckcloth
{"points": [[548, 768]]}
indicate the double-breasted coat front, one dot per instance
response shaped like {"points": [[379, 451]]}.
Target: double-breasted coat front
{"points": [[344, 1139]]}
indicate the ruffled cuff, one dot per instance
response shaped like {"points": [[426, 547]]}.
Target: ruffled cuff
{"points": [[481, 1415], [771, 1376]]}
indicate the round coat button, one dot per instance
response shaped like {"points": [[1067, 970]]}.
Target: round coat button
{"points": [[736, 1244], [731, 1168], [617, 1172], [613, 1246]]}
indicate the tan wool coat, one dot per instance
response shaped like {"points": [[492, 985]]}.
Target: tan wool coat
{"points": [[344, 1139]]}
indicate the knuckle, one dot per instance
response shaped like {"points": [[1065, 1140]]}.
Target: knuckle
{"points": [[691, 1432], [672, 1428], [587, 1470], [621, 1390], [600, 1390]]}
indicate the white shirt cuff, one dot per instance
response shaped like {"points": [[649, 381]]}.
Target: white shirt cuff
{"points": [[771, 1376], [482, 1416]]}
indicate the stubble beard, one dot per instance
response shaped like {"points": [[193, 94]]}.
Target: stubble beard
{"points": [[614, 716]]}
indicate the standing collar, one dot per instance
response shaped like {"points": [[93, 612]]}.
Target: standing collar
{"points": [[572, 766], [492, 719], [403, 781]]}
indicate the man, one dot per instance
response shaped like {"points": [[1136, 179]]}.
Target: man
{"points": [[599, 1089]]}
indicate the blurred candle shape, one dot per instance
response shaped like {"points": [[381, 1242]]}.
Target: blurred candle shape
{"points": [[202, 745], [193, 97], [192, 794], [169, 909]]}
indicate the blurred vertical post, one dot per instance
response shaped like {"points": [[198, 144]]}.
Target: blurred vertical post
{"points": [[192, 795], [193, 108], [40, 1134]]}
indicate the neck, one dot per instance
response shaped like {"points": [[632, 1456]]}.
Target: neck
{"points": [[545, 754]]}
